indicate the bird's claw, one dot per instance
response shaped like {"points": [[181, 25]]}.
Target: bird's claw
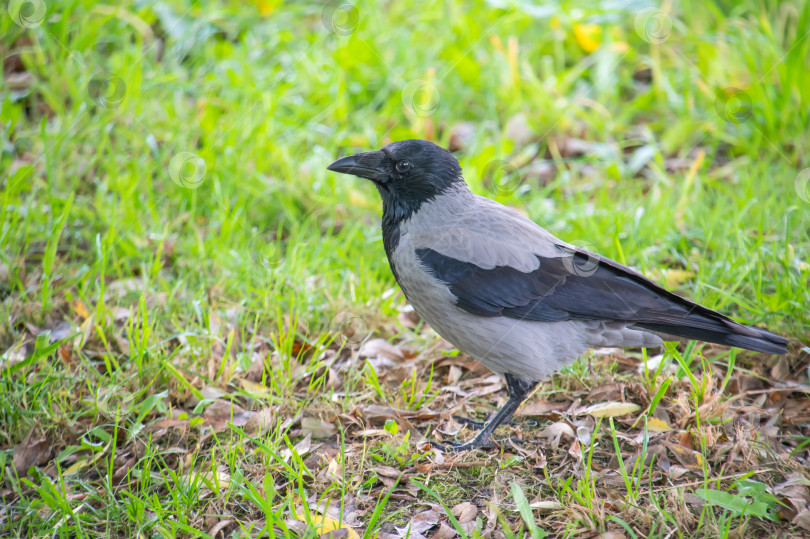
{"points": [[479, 425], [467, 422], [475, 443]]}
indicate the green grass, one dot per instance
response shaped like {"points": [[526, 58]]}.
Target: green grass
{"points": [[167, 216]]}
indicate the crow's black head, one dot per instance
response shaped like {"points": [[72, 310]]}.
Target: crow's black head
{"points": [[407, 174]]}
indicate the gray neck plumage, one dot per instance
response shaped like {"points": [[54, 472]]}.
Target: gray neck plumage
{"points": [[449, 198]]}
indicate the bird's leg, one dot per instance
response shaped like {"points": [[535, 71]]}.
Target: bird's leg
{"points": [[519, 388]]}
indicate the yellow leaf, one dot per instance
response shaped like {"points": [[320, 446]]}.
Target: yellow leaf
{"points": [[325, 524], [257, 390], [85, 461], [266, 7], [612, 409], [691, 460], [78, 465], [80, 308], [656, 425], [588, 36]]}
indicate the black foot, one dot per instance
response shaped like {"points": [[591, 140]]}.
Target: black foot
{"points": [[479, 425], [475, 443], [518, 388], [472, 423]]}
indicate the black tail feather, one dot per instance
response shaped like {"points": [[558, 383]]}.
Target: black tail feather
{"points": [[730, 334]]}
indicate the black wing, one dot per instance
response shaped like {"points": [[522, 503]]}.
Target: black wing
{"points": [[579, 285]]}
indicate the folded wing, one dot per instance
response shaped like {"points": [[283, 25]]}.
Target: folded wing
{"points": [[491, 278]]}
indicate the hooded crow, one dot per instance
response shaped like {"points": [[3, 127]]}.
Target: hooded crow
{"points": [[508, 293]]}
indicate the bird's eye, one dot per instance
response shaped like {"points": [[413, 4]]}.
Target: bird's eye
{"points": [[403, 166]]}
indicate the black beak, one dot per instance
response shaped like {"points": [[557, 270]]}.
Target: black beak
{"points": [[366, 165]]}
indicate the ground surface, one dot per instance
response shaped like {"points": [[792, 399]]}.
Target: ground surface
{"points": [[199, 333]]}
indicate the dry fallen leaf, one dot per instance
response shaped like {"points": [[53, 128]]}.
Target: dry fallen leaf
{"points": [[611, 409], [656, 425], [221, 478], [419, 524], [219, 413], [254, 389], [334, 472], [13, 355], [795, 490], [218, 530], [445, 532], [606, 392], [378, 415], [262, 421], [465, 512], [547, 505], [691, 460], [207, 392], [541, 408], [653, 362], [302, 448], [85, 461], [318, 428], [371, 433], [556, 431], [781, 369], [381, 349], [612, 535], [803, 519], [30, 452]]}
